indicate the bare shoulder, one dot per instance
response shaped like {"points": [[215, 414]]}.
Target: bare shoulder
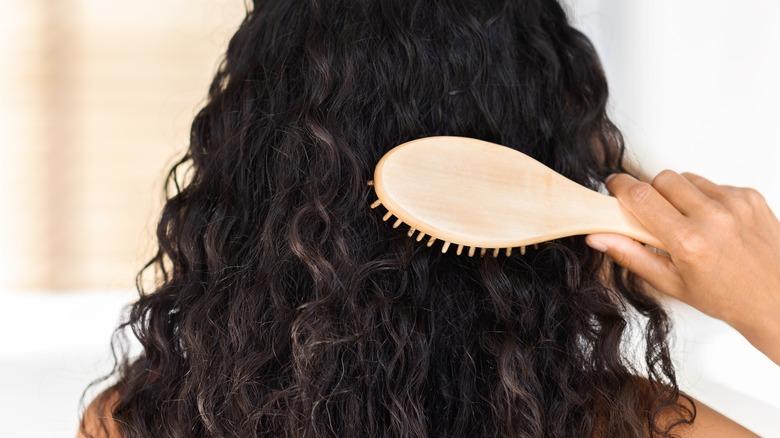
{"points": [[97, 421], [712, 424], [707, 424]]}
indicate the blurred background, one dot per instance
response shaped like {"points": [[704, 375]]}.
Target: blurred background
{"points": [[96, 99]]}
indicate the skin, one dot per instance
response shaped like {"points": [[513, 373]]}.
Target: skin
{"points": [[723, 257], [93, 416], [712, 424], [723, 244]]}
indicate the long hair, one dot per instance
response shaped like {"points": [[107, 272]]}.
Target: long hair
{"points": [[285, 306]]}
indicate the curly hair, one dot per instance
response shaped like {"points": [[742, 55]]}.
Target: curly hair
{"points": [[284, 306]]}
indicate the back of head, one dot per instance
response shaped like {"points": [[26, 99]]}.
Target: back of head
{"points": [[287, 307]]}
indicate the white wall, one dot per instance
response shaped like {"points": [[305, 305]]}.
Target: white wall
{"points": [[52, 346], [695, 88], [695, 84]]}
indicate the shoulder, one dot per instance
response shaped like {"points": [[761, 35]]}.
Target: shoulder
{"points": [[707, 423], [97, 421], [711, 424]]}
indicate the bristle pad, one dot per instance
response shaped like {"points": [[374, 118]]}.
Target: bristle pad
{"points": [[445, 247], [430, 241], [387, 216], [420, 236], [376, 203], [397, 223], [482, 252], [460, 249], [508, 251], [522, 250], [495, 252], [370, 183], [471, 251], [411, 231]]}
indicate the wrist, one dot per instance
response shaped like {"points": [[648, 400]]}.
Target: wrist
{"points": [[762, 329]]}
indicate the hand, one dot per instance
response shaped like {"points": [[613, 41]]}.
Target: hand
{"points": [[724, 250]]}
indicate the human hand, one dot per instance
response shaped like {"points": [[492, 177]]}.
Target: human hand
{"points": [[723, 244]]}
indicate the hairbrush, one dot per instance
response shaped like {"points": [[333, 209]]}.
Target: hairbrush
{"points": [[481, 195]]}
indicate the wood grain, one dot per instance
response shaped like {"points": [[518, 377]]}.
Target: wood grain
{"points": [[479, 194]]}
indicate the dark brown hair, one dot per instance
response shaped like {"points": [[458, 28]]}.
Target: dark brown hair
{"points": [[285, 306]]}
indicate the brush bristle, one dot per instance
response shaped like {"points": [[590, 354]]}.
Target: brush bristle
{"points": [[445, 244]]}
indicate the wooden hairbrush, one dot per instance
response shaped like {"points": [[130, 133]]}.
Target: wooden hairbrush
{"points": [[476, 194]]}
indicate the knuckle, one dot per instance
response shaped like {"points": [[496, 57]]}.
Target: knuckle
{"points": [[691, 241], [740, 204], [724, 220], [688, 175], [664, 178], [711, 207], [623, 260], [692, 177], [640, 194], [753, 197]]}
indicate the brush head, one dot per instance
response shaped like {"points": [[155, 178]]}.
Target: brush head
{"points": [[478, 194]]}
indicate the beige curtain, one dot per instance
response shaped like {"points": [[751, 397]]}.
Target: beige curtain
{"points": [[96, 98]]}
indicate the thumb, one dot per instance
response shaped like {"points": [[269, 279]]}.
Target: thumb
{"points": [[656, 269]]}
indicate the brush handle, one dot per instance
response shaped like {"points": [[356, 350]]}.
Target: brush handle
{"points": [[604, 214], [482, 195]]}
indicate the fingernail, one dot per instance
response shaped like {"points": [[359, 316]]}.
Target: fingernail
{"points": [[595, 244], [612, 175]]}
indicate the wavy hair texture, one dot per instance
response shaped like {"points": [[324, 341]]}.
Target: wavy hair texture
{"points": [[285, 306]]}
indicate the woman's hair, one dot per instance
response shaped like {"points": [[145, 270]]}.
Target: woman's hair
{"points": [[285, 306]]}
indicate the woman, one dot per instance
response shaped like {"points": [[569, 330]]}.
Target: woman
{"points": [[285, 306]]}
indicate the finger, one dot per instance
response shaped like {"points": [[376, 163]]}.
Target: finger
{"points": [[706, 186], [656, 269], [736, 199], [680, 192], [650, 208]]}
